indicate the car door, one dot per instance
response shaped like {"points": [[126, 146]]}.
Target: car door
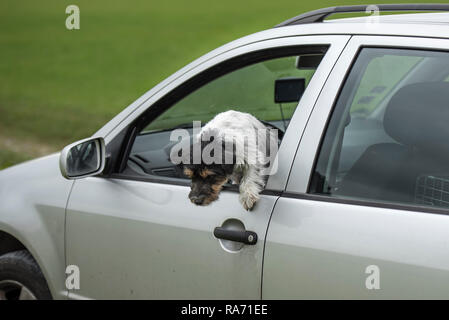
{"points": [[135, 234], [365, 212]]}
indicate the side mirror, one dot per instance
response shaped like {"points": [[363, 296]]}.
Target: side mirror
{"points": [[83, 158]]}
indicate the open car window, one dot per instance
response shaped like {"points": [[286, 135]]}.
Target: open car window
{"points": [[250, 89], [269, 90]]}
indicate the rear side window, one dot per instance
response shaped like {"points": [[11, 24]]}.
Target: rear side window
{"points": [[388, 136]]}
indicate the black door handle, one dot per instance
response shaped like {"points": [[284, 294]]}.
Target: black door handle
{"points": [[243, 236]]}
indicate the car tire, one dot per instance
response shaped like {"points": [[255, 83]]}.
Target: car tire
{"points": [[21, 278]]}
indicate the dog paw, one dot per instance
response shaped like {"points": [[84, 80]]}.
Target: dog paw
{"points": [[248, 200]]}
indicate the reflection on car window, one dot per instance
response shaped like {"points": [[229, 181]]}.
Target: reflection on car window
{"points": [[381, 76], [387, 138], [250, 89]]}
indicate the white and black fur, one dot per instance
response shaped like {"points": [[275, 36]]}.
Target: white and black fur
{"points": [[249, 160]]}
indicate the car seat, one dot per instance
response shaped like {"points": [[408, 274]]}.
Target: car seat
{"points": [[417, 117]]}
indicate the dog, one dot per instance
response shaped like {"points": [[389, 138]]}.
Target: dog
{"points": [[239, 147]]}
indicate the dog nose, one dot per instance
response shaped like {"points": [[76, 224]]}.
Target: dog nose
{"points": [[197, 199]]}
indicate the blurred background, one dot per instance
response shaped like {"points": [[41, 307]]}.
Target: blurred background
{"points": [[58, 86]]}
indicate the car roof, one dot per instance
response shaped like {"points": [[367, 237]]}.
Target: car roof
{"points": [[415, 18], [426, 25], [321, 14], [432, 25]]}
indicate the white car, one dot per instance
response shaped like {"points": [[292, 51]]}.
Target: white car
{"points": [[358, 207]]}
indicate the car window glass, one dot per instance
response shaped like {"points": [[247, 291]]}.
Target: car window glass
{"points": [[381, 76], [250, 89], [387, 137]]}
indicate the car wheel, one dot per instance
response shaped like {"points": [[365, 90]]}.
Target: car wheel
{"points": [[21, 278]]}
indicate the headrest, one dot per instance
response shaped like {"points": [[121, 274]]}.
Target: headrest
{"points": [[418, 116]]}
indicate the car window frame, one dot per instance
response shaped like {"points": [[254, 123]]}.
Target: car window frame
{"points": [[122, 143], [300, 178]]}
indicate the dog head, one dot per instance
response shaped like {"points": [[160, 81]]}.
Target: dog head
{"points": [[209, 170], [207, 181]]}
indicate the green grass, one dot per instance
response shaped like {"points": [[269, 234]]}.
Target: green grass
{"points": [[57, 86], [8, 158]]}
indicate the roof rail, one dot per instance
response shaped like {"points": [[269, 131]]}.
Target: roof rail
{"points": [[320, 14]]}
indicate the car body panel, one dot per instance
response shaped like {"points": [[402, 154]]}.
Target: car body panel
{"points": [[34, 196], [321, 250], [143, 240]]}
